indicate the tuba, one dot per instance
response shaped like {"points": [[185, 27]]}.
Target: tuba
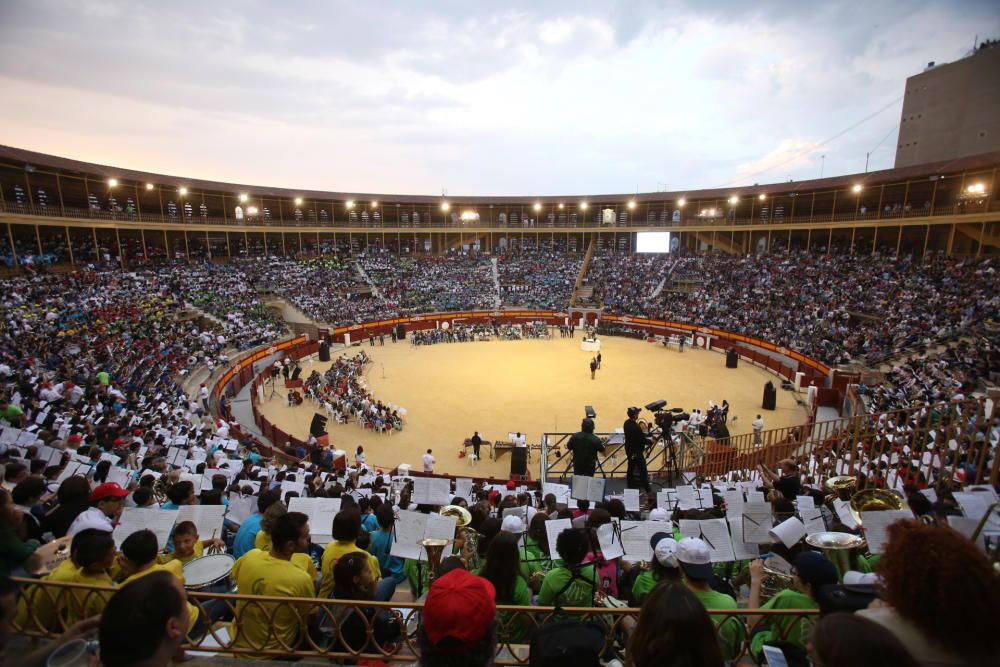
{"points": [[841, 487], [470, 536], [836, 547], [875, 500], [434, 548], [778, 575]]}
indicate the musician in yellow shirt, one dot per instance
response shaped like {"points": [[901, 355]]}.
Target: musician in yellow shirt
{"points": [[138, 559], [274, 629], [346, 529], [91, 554], [188, 545]]}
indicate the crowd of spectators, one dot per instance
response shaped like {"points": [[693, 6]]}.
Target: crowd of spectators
{"points": [[464, 333], [537, 278], [428, 283], [625, 283], [344, 394]]}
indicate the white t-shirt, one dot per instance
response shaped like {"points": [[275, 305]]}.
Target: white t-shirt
{"points": [[92, 518], [428, 463]]}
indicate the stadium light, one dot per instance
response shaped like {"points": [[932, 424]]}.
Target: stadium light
{"points": [[631, 205], [251, 210], [561, 206], [583, 206], [538, 207], [681, 202], [149, 186], [857, 188], [976, 188], [445, 206], [762, 196], [349, 203], [734, 200], [374, 204], [298, 201], [112, 182], [243, 198], [183, 191]]}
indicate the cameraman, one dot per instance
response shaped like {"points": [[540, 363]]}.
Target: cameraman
{"points": [[637, 476]]}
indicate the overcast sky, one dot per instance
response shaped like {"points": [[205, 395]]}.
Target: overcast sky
{"points": [[474, 98]]}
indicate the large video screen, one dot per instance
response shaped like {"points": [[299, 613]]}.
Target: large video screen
{"points": [[652, 242]]}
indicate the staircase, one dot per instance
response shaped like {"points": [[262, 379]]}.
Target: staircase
{"points": [[495, 270], [368, 281], [583, 274]]}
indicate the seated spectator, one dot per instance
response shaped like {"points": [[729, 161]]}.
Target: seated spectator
{"points": [[188, 545], [14, 552], [390, 566], [145, 622], [573, 583], [673, 629], [458, 625], [663, 568], [106, 503], [848, 640], [345, 531], [941, 595], [138, 560], [502, 570], [355, 582], [696, 565], [73, 499]]}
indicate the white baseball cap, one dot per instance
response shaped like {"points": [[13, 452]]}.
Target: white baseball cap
{"points": [[666, 552], [659, 514], [512, 524], [695, 558]]}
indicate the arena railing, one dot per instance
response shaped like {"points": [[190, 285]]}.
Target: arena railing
{"points": [[319, 621]]}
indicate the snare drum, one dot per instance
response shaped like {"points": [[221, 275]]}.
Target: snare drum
{"points": [[210, 573]]}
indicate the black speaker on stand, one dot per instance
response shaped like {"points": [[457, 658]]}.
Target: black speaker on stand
{"points": [[732, 358], [400, 332], [318, 425], [519, 461], [324, 351]]}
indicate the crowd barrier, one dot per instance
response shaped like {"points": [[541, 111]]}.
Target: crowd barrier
{"points": [[312, 614]]}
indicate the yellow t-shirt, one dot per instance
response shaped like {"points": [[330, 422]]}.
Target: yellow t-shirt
{"points": [[38, 607], [84, 604], [262, 541], [299, 560], [333, 552], [175, 568], [270, 626], [197, 552]]}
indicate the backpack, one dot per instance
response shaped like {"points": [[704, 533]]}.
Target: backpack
{"points": [[567, 644]]}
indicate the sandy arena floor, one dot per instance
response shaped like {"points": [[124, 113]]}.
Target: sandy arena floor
{"points": [[532, 386]]}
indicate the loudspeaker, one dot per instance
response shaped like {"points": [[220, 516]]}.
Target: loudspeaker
{"points": [[732, 358], [519, 461], [297, 372], [770, 397], [400, 332], [318, 425], [324, 351]]}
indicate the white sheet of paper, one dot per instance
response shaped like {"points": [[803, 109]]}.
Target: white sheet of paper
{"points": [[297, 487], [72, 468], [805, 503], [611, 544], [741, 550], [930, 494], [431, 491], [876, 525], [755, 497], [552, 529], [463, 488], [134, 519], [966, 526], [588, 488], [320, 512], [666, 499], [240, 507], [409, 529], [9, 434], [686, 497], [734, 502], [689, 527], [636, 536], [757, 522], [440, 527], [788, 532], [715, 532], [207, 518], [843, 509], [631, 500], [120, 476], [560, 491], [813, 520]]}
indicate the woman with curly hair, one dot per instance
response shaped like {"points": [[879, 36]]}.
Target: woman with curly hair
{"points": [[942, 596]]}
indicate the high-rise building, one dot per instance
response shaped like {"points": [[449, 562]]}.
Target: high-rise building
{"points": [[952, 110]]}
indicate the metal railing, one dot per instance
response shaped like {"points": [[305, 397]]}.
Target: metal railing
{"points": [[316, 625]]}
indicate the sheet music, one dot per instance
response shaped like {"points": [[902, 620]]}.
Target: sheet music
{"points": [[843, 509], [805, 503], [552, 529], [134, 519], [176, 456], [72, 468], [9, 435], [636, 536], [431, 491], [715, 532], [632, 500], [813, 520], [789, 532], [686, 498], [757, 523], [734, 502], [876, 525], [409, 529], [741, 550], [440, 527], [207, 518], [610, 541], [50, 455], [240, 507], [320, 511], [26, 438], [666, 499], [463, 488], [119, 476], [755, 497], [297, 487], [588, 488], [967, 527], [689, 528], [560, 491]]}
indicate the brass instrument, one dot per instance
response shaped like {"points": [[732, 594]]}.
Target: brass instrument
{"points": [[434, 546], [875, 500], [836, 547], [841, 487], [777, 577], [470, 536]]}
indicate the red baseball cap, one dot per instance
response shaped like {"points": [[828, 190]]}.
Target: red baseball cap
{"points": [[511, 485], [75, 438], [107, 490], [459, 611]]}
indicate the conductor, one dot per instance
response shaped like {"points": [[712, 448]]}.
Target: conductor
{"points": [[585, 447], [637, 476]]}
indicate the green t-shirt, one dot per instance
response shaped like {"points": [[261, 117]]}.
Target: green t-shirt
{"points": [[774, 627], [518, 625], [11, 414], [579, 593], [104, 378], [731, 632], [644, 583]]}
